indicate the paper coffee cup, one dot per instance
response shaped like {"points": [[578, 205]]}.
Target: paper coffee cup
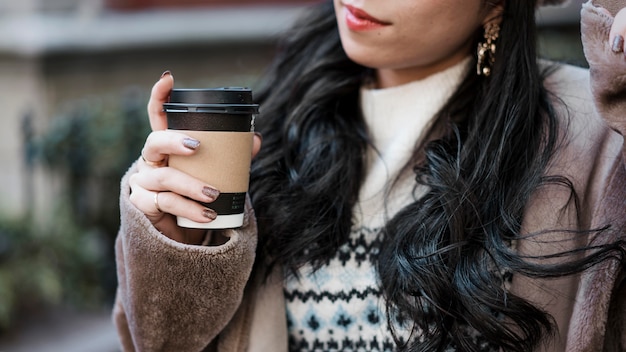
{"points": [[222, 119]]}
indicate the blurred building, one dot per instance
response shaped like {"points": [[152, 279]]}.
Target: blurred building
{"points": [[53, 51]]}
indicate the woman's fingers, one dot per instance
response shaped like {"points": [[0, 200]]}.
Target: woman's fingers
{"points": [[169, 203], [618, 31], [159, 95], [256, 143], [172, 180], [166, 190], [145, 201], [160, 144]]}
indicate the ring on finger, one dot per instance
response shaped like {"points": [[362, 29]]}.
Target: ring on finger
{"points": [[156, 202], [152, 163]]}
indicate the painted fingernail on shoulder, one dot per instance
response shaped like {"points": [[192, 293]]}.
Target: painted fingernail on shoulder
{"points": [[618, 44]]}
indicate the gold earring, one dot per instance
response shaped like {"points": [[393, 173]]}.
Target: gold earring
{"points": [[486, 50]]}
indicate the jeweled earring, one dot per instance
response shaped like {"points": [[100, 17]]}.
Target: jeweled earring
{"points": [[486, 50]]}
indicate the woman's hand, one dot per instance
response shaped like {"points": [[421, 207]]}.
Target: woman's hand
{"points": [[618, 30], [161, 192], [602, 35]]}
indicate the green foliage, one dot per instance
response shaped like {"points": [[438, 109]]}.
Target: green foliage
{"points": [[43, 266], [92, 143], [97, 136], [67, 257]]}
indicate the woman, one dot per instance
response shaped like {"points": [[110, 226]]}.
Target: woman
{"points": [[412, 193]]}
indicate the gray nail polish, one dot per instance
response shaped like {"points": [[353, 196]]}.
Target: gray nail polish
{"points": [[618, 44], [209, 213], [191, 143], [210, 192]]}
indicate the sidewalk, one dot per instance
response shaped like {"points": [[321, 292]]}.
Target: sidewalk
{"points": [[65, 331]]}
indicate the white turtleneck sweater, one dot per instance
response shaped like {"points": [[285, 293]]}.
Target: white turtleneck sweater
{"points": [[339, 307]]}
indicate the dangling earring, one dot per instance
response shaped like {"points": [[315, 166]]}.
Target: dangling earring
{"points": [[487, 50]]}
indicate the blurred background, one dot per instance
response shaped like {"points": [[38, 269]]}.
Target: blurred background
{"points": [[75, 76]]}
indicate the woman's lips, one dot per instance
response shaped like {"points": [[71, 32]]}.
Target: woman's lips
{"points": [[359, 20]]}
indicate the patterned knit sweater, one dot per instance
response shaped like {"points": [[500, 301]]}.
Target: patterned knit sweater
{"points": [[340, 306]]}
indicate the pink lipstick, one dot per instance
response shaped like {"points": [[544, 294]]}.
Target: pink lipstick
{"points": [[359, 20]]}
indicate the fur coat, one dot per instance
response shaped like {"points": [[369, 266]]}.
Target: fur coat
{"points": [[176, 297]]}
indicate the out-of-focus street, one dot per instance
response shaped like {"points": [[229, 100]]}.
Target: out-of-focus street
{"points": [[64, 332]]}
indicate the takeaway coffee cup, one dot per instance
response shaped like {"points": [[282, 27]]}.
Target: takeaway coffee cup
{"points": [[222, 119]]}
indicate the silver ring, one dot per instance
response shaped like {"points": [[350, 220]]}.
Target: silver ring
{"points": [[156, 202], [152, 163]]}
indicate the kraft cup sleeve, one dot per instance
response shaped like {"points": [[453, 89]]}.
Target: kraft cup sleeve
{"points": [[222, 161]]}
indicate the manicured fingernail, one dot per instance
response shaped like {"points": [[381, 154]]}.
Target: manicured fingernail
{"points": [[191, 143], [258, 134], [209, 213], [618, 44], [210, 192], [166, 73]]}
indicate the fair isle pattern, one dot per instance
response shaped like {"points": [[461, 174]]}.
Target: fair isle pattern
{"points": [[340, 307]]}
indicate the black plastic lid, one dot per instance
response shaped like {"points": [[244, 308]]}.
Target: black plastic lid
{"points": [[229, 100]]}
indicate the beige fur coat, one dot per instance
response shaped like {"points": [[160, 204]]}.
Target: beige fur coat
{"points": [[175, 297]]}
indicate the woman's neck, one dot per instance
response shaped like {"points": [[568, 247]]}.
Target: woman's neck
{"points": [[391, 77]]}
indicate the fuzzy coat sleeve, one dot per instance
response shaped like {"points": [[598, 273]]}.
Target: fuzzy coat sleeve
{"points": [[608, 86], [589, 309], [172, 296]]}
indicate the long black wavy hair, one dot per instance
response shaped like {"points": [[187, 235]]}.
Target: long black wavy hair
{"points": [[441, 260]]}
